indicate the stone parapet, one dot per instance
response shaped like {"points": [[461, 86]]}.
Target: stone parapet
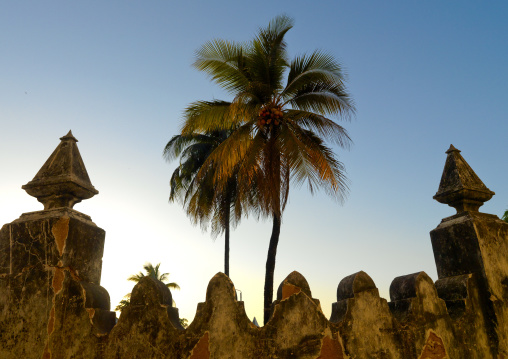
{"points": [[52, 304]]}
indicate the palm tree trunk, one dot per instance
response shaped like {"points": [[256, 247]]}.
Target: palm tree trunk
{"points": [[270, 266], [227, 215], [226, 247], [274, 165]]}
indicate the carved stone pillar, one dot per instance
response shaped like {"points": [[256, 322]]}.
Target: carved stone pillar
{"points": [[50, 267], [471, 242]]}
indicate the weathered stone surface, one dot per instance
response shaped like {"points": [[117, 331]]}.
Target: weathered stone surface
{"points": [[202, 349], [462, 301], [63, 180], [348, 286], [56, 238], [298, 313], [474, 243], [331, 349], [434, 348], [367, 327], [460, 187], [416, 305], [231, 333], [144, 329], [70, 314], [43, 255], [477, 243], [52, 304], [294, 283], [354, 283]]}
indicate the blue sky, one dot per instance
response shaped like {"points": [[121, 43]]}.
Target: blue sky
{"points": [[423, 74]]}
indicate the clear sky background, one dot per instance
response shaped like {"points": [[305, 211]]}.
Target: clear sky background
{"points": [[423, 74]]}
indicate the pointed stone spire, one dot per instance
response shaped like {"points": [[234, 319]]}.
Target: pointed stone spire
{"points": [[460, 187], [63, 180]]}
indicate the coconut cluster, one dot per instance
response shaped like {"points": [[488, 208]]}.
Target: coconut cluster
{"points": [[270, 115]]}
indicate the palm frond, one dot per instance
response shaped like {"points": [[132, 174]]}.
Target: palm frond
{"points": [[172, 285], [224, 62], [204, 202], [177, 186], [325, 98], [320, 125], [153, 272], [136, 277], [314, 68], [122, 305], [178, 143], [202, 116], [267, 56], [313, 162], [224, 159]]}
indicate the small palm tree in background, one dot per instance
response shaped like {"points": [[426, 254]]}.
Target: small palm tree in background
{"points": [[505, 216], [152, 272], [126, 301]]}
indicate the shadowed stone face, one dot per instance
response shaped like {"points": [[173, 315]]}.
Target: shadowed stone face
{"points": [[354, 283]]}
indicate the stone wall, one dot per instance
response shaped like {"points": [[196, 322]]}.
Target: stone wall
{"points": [[52, 304]]}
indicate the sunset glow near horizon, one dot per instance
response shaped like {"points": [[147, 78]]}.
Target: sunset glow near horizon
{"points": [[423, 75]]}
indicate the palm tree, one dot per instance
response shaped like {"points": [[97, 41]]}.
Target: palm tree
{"points": [[505, 216], [126, 301], [279, 130], [152, 272], [203, 202]]}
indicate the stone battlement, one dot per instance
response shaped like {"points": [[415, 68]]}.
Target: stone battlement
{"points": [[52, 304]]}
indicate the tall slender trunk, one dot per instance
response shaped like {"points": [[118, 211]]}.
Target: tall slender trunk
{"points": [[273, 178], [270, 267], [226, 240], [226, 247]]}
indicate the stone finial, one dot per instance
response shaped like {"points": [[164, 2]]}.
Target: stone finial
{"points": [[63, 180], [354, 283], [460, 187]]}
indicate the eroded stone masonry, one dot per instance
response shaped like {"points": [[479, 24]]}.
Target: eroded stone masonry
{"points": [[53, 306]]}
